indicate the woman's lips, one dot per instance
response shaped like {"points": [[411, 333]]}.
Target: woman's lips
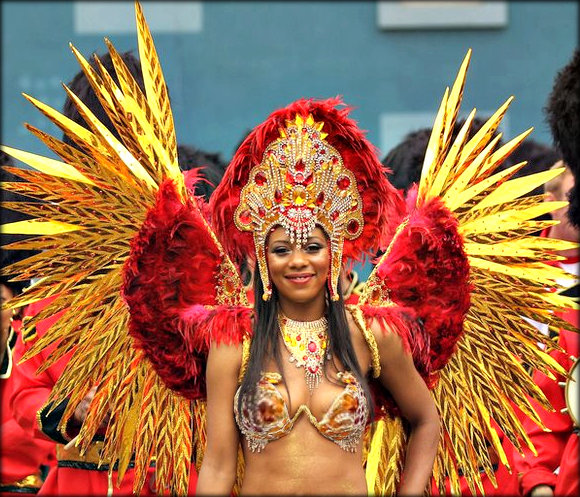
{"points": [[299, 279]]}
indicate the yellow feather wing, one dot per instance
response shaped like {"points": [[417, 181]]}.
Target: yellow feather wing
{"points": [[512, 278], [87, 206]]}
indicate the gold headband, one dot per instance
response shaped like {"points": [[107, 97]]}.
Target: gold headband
{"points": [[301, 183]]}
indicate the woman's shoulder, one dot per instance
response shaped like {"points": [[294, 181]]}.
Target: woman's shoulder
{"points": [[227, 356], [381, 324]]}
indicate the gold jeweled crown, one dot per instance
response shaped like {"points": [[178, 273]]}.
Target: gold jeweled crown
{"points": [[300, 183]]}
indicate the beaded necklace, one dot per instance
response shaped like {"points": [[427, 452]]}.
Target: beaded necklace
{"points": [[307, 342]]}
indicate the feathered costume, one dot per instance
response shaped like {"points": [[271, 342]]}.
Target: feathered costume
{"points": [[148, 282]]}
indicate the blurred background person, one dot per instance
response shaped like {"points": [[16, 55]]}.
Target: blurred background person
{"points": [[563, 115], [554, 472], [24, 459]]}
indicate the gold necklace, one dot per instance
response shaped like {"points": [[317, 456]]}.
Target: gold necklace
{"points": [[306, 341]]}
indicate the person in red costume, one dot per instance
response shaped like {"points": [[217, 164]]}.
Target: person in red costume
{"points": [[74, 474], [554, 472], [23, 458]]}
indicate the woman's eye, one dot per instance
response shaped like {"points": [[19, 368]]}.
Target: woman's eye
{"points": [[280, 250], [314, 247]]}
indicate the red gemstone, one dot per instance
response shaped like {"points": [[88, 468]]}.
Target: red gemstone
{"points": [[298, 338], [260, 179], [229, 286], [313, 369], [320, 199], [334, 215], [261, 212], [312, 347], [278, 196], [304, 357], [334, 160], [304, 131], [299, 177], [322, 151], [343, 182], [300, 166], [352, 226], [308, 180], [245, 217]]}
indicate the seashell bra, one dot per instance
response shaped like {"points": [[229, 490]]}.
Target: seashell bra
{"points": [[264, 415]]}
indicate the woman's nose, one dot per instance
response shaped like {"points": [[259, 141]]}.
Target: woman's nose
{"points": [[298, 258]]}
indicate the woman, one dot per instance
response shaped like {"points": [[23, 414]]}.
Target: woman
{"points": [[301, 412], [302, 460]]}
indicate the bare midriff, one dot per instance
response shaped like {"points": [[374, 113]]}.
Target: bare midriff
{"points": [[303, 463]]}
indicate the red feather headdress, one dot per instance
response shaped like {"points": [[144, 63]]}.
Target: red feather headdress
{"points": [[280, 176]]}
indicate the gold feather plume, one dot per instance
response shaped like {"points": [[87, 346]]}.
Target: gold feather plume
{"points": [[511, 278], [92, 203]]}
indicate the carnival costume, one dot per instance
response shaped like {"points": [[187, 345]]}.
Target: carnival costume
{"points": [[149, 282]]}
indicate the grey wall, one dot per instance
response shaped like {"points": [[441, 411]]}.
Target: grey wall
{"points": [[229, 64]]}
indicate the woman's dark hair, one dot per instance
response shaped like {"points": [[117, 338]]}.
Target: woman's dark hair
{"points": [[265, 341]]}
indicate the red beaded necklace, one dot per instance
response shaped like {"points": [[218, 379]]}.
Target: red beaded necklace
{"points": [[306, 341]]}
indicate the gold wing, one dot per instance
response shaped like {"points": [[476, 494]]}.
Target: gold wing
{"points": [[511, 278], [92, 204]]}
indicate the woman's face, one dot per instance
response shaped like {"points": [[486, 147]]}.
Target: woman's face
{"points": [[299, 275]]}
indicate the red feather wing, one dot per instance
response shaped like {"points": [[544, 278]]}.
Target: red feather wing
{"points": [[420, 287], [171, 288]]}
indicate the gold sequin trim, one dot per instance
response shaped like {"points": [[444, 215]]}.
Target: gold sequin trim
{"points": [[246, 342], [359, 320]]}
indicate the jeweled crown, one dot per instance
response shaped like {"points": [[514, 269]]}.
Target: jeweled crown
{"points": [[301, 183]]}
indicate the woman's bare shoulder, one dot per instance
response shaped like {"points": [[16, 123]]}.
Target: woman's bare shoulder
{"points": [[226, 356]]}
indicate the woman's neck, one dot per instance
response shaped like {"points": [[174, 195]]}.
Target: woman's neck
{"points": [[303, 311]]}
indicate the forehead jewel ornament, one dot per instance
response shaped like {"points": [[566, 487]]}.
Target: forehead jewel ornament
{"points": [[301, 183]]}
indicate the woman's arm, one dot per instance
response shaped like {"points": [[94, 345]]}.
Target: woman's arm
{"points": [[218, 470], [400, 377]]}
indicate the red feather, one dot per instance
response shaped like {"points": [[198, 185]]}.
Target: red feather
{"points": [[428, 271], [382, 203], [168, 278]]}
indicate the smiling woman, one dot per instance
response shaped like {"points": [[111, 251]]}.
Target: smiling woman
{"points": [[300, 386], [299, 273]]}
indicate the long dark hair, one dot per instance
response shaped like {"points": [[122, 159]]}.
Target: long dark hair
{"points": [[266, 343]]}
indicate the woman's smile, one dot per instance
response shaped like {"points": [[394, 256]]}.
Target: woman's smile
{"points": [[300, 279], [299, 273]]}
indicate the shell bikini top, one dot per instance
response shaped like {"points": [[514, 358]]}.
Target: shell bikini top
{"points": [[264, 416]]}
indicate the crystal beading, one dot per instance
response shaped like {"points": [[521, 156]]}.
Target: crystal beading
{"points": [[307, 342], [301, 183]]}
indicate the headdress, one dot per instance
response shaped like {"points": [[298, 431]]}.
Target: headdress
{"points": [[307, 165]]}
